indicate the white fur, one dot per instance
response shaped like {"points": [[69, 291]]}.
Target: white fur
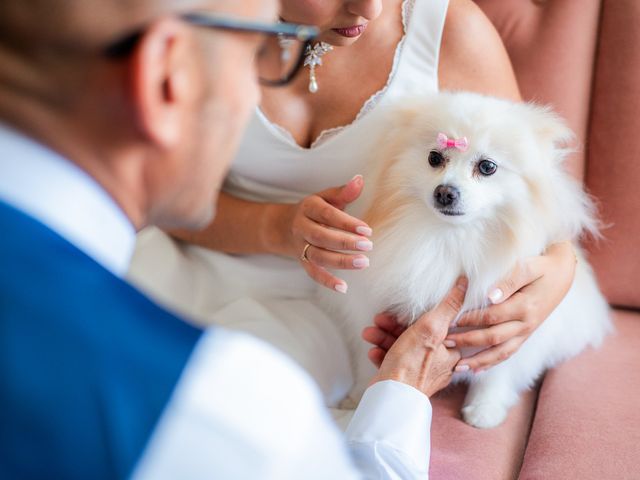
{"points": [[529, 203]]}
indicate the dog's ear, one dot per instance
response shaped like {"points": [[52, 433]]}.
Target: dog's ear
{"points": [[570, 211], [403, 115], [408, 119], [551, 129], [400, 122]]}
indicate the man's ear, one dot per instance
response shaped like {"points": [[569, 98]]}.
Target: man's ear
{"points": [[162, 81]]}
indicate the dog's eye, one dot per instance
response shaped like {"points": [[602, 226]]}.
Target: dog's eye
{"points": [[487, 167], [436, 159]]}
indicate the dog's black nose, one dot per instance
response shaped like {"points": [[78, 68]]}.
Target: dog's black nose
{"points": [[446, 195]]}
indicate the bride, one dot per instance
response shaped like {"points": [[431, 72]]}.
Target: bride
{"points": [[280, 220]]}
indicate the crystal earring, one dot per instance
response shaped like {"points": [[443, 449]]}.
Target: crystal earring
{"points": [[285, 47], [313, 59]]}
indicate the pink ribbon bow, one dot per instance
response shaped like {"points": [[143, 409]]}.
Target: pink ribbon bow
{"points": [[461, 144]]}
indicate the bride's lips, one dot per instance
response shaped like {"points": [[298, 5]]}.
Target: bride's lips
{"points": [[351, 32]]}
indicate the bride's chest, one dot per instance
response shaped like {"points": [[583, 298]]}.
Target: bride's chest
{"points": [[347, 84]]}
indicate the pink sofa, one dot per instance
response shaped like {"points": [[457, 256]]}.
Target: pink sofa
{"points": [[583, 422]]}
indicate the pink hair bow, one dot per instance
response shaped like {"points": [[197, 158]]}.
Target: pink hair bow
{"points": [[461, 144]]}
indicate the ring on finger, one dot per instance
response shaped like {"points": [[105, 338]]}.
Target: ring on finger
{"points": [[303, 256]]}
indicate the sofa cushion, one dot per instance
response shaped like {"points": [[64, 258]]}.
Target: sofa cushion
{"points": [[613, 171], [587, 422], [461, 452]]}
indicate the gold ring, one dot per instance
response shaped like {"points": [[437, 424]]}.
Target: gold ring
{"points": [[304, 257]]}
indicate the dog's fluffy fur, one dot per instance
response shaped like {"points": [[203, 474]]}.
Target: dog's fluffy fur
{"points": [[529, 203]]}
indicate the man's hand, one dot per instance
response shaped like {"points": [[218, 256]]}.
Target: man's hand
{"points": [[417, 355], [382, 336]]}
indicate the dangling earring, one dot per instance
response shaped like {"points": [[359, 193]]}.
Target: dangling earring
{"points": [[313, 59], [285, 46]]}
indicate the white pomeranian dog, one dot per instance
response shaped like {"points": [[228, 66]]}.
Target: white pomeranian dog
{"points": [[463, 184]]}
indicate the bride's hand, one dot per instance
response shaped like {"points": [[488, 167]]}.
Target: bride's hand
{"points": [[520, 304], [321, 235], [528, 296]]}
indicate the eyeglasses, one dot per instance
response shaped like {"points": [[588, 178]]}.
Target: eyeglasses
{"points": [[279, 59]]}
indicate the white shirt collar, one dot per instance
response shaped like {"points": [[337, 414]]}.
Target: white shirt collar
{"points": [[53, 190]]}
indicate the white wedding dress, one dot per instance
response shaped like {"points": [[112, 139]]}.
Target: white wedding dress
{"points": [[268, 296]]}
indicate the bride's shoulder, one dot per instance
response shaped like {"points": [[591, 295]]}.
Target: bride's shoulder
{"points": [[472, 55]]}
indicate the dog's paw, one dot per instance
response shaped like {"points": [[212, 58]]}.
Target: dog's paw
{"points": [[484, 415]]}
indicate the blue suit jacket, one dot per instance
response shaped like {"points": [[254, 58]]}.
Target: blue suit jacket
{"points": [[87, 363]]}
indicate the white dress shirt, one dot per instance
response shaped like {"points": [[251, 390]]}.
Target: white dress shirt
{"points": [[241, 410]]}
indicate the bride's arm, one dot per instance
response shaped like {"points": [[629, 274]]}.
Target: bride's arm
{"points": [[243, 227], [316, 231], [472, 55]]}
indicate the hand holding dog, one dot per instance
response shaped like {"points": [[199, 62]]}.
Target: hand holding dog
{"points": [[319, 233], [521, 303], [528, 295], [417, 355]]}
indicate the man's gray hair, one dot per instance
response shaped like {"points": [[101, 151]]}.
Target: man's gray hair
{"points": [[76, 25]]}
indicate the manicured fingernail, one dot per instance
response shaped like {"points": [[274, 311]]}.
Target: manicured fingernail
{"points": [[449, 344], [496, 295], [462, 283], [462, 368], [479, 370], [361, 262], [357, 179], [341, 287], [364, 245], [366, 231]]}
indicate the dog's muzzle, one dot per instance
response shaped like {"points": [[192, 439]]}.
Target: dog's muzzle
{"points": [[446, 196], [446, 199]]}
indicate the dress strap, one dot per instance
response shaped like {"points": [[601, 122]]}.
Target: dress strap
{"points": [[418, 67]]}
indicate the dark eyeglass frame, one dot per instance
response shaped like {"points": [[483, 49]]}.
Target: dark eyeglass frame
{"points": [[304, 33]]}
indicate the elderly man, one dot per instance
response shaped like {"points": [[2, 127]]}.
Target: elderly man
{"points": [[103, 107]]}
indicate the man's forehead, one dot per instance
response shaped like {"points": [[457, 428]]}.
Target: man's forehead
{"points": [[94, 22], [265, 10]]}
